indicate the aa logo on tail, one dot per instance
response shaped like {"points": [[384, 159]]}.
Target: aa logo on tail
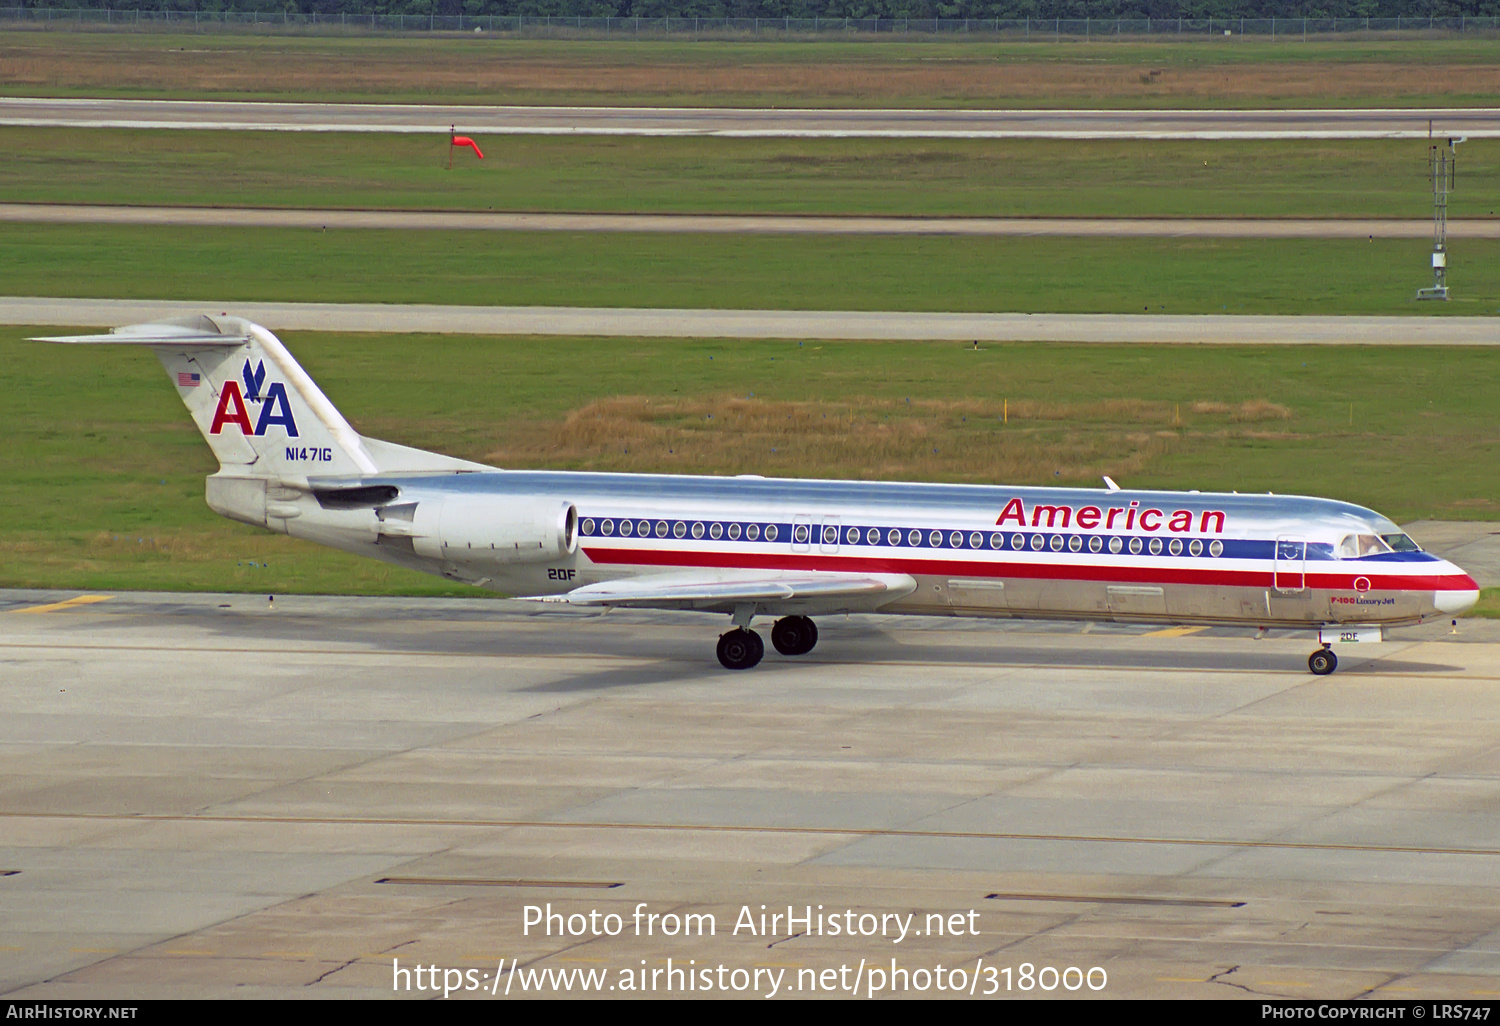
{"points": [[274, 407]]}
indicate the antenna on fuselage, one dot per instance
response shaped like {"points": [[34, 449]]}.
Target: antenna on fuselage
{"points": [[1109, 483]]}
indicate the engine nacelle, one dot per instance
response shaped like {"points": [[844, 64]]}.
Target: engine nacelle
{"points": [[494, 529]]}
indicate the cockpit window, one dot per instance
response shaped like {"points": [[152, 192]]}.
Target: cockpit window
{"points": [[1357, 546], [1401, 543]]}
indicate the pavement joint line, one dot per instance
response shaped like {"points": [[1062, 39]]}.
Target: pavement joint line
{"points": [[753, 829]]}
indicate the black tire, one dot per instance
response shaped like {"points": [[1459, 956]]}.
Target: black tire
{"points": [[740, 649], [794, 635], [1323, 662]]}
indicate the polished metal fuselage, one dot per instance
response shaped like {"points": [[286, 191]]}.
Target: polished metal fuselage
{"points": [[972, 550]]}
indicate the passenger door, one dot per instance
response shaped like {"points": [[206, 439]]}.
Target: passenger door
{"points": [[1289, 569]]}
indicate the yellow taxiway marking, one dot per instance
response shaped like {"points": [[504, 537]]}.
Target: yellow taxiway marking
{"points": [[278, 954], [1173, 632], [187, 951], [77, 600], [94, 951], [1178, 979]]}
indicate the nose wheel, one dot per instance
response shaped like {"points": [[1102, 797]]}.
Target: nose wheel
{"points": [[794, 635], [1323, 662], [740, 649]]}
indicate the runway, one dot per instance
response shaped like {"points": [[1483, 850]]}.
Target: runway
{"points": [[775, 324], [750, 122], [794, 224], [207, 795]]}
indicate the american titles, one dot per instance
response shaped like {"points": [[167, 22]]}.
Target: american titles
{"points": [[1130, 517]]}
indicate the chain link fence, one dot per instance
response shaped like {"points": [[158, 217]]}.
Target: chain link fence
{"points": [[1039, 29]]}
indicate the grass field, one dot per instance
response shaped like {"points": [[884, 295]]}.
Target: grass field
{"points": [[1223, 72], [101, 479], [1349, 178], [1105, 275]]}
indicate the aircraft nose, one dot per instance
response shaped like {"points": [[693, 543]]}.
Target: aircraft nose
{"points": [[1458, 594]]}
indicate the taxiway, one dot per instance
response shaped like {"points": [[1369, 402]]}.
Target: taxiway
{"points": [[211, 795]]}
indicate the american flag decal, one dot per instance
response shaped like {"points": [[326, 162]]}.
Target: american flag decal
{"points": [[186, 379]]}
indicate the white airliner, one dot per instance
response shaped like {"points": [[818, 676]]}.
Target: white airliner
{"points": [[749, 546]]}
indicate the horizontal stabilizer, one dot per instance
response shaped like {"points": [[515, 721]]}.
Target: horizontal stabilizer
{"points": [[197, 330], [187, 339], [710, 590]]}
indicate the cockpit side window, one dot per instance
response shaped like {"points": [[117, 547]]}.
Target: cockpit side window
{"points": [[1357, 546], [1401, 543]]}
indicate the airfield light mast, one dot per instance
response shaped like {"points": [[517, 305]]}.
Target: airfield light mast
{"points": [[1442, 162]]}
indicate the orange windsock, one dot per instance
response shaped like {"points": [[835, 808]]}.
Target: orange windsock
{"points": [[463, 140]]}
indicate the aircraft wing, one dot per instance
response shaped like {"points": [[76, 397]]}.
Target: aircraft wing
{"points": [[725, 590]]}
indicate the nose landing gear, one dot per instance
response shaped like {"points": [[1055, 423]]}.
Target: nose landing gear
{"points": [[1323, 661], [794, 635]]}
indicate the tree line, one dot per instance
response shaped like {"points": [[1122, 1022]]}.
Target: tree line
{"points": [[1106, 9]]}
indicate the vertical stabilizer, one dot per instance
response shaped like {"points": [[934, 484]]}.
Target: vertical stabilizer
{"points": [[259, 411]]}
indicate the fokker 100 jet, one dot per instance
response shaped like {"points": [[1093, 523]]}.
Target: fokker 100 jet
{"points": [[750, 547]]}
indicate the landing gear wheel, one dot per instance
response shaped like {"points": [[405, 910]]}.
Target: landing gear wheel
{"points": [[740, 649], [1322, 662], [794, 635]]}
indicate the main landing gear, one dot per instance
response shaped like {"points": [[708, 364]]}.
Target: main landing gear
{"points": [[742, 648], [794, 635], [1323, 661]]}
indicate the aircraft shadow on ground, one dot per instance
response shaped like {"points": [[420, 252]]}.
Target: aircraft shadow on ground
{"points": [[624, 677], [681, 654], [875, 648]]}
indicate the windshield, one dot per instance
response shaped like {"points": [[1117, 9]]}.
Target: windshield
{"points": [[1401, 543]]}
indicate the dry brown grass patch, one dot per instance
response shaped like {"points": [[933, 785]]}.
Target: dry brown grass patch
{"points": [[961, 440], [226, 66]]}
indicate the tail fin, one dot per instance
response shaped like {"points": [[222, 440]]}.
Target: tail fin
{"points": [[258, 409]]}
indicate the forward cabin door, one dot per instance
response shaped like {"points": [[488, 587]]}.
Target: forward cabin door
{"points": [[1289, 569]]}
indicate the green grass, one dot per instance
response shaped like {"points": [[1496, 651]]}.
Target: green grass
{"points": [[1489, 604], [1005, 178], [101, 476], [744, 271]]}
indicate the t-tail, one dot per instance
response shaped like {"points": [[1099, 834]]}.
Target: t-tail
{"points": [[276, 435]]}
